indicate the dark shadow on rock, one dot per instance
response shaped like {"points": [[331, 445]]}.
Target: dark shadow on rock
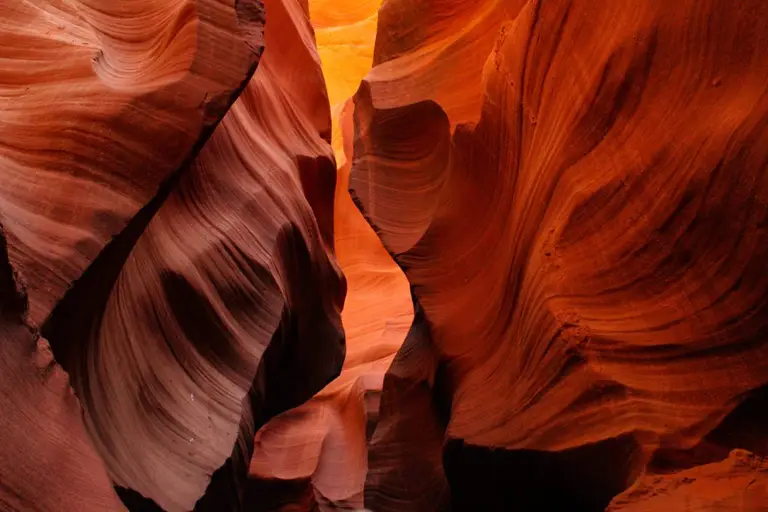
{"points": [[405, 472], [582, 479], [273, 495], [135, 501], [745, 427], [304, 355]]}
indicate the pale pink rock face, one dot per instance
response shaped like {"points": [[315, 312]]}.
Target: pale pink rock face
{"points": [[100, 102], [224, 274]]}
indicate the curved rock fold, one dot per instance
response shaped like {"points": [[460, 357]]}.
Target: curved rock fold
{"points": [[587, 251], [399, 256]]}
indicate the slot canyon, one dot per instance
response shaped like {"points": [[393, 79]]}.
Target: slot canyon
{"points": [[384, 255]]}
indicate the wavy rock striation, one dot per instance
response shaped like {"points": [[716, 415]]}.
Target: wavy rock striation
{"points": [[322, 445], [583, 219], [100, 103], [218, 306], [552, 255]]}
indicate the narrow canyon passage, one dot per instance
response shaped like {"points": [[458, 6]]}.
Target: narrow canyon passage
{"points": [[383, 255], [324, 443]]}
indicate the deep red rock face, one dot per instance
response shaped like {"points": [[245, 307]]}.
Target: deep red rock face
{"points": [[47, 461], [206, 307], [535, 280], [589, 248]]}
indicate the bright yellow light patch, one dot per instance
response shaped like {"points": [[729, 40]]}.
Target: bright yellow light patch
{"points": [[346, 32]]}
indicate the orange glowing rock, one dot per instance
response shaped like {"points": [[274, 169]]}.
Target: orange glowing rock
{"points": [[431, 255], [345, 32], [326, 439], [582, 218], [739, 482]]}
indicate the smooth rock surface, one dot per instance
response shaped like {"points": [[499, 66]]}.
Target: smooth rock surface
{"points": [[431, 255], [583, 218], [47, 461], [101, 101], [236, 257], [326, 439]]}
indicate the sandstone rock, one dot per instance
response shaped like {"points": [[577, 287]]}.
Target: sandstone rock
{"points": [[739, 482], [431, 255], [588, 247], [101, 101]]}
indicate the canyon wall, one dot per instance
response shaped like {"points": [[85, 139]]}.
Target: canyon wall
{"points": [[580, 209], [411, 255], [189, 286]]}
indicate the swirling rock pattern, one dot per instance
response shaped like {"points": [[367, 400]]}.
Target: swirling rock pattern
{"points": [[435, 50], [576, 192], [100, 102], [324, 443], [234, 263], [588, 247]]}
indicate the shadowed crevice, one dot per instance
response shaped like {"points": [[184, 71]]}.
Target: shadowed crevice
{"points": [[585, 478], [13, 299], [305, 354], [275, 495], [746, 427], [135, 501], [72, 323], [318, 182], [405, 472]]}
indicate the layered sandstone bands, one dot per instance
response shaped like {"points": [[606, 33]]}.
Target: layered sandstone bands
{"points": [[551, 263], [325, 442], [217, 305], [582, 217], [320, 450], [100, 102]]}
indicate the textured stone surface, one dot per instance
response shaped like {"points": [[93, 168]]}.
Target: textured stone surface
{"points": [[232, 255], [47, 461], [583, 220], [739, 482], [431, 255], [100, 102], [218, 305]]}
